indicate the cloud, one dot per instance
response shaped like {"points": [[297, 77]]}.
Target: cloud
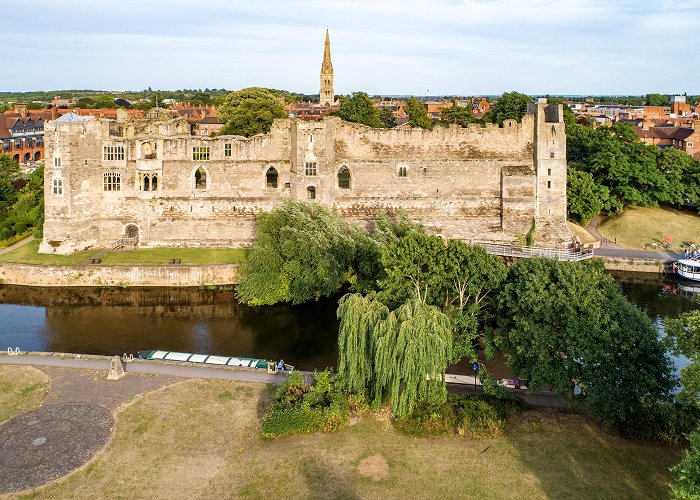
{"points": [[381, 46]]}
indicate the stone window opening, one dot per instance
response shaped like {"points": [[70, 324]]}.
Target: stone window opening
{"points": [[311, 192], [57, 186], [551, 154], [200, 153], [227, 150], [549, 184], [311, 138], [149, 151], [111, 153], [57, 162], [310, 168], [200, 178], [112, 181], [403, 171], [344, 178], [549, 171], [154, 182], [149, 182], [271, 178], [554, 130]]}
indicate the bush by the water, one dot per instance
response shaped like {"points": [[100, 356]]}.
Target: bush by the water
{"points": [[299, 408], [479, 415], [668, 423]]}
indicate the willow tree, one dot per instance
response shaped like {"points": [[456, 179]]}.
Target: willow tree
{"points": [[413, 345], [359, 315]]}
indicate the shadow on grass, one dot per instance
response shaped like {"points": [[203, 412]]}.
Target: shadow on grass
{"points": [[325, 481], [572, 456]]}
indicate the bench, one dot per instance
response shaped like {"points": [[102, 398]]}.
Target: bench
{"points": [[95, 261], [175, 261]]}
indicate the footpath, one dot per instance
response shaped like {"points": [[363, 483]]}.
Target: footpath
{"points": [[20, 243], [609, 249], [170, 369]]}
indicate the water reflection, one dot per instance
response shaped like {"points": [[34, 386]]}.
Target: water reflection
{"points": [[113, 321]]}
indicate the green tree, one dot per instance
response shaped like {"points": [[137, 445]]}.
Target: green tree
{"points": [[584, 198], [105, 102], [9, 171], [250, 111], [510, 106], [85, 103], [683, 339], [413, 345], [359, 108], [471, 277], [301, 252], [688, 471], [386, 115], [414, 269], [201, 99], [417, 115], [458, 115], [657, 100], [565, 324]]}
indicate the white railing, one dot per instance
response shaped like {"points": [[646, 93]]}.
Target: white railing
{"points": [[528, 252], [123, 242]]}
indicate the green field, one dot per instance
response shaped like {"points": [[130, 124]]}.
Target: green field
{"points": [[201, 439], [27, 254], [187, 256], [641, 227]]}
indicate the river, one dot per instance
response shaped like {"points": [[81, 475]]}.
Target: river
{"points": [[114, 321]]}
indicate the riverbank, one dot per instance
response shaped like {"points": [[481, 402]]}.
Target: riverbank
{"points": [[118, 275]]}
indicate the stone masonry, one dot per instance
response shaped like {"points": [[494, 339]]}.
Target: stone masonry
{"points": [[153, 181]]}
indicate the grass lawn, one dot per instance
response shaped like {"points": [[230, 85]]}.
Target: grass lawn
{"points": [[27, 254], [186, 255], [22, 389], [639, 227], [580, 232], [201, 439]]}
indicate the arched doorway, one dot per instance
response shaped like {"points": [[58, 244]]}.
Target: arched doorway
{"points": [[271, 178], [15, 158], [132, 231], [311, 192], [37, 156], [27, 157]]}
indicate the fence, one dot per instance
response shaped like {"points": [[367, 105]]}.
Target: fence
{"points": [[528, 252]]}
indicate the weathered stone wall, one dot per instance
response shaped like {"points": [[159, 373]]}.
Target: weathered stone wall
{"points": [[633, 265], [470, 183], [22, 274]]}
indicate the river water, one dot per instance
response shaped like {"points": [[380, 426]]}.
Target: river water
{"points": [[115, 321]]}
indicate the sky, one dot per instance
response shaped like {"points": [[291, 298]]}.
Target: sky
{"points": [[390, 47]]}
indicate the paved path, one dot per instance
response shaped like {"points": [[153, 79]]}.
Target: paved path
{"points": [[149, 367], [20, 243], [636, 254]]}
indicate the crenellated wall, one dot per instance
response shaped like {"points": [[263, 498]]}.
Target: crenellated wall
{"points": [[476, 183]]}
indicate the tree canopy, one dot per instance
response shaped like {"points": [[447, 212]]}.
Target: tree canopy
{"points": [[566, 325], [359, 108], [386, 115], [250, 111], [457, 115], [417, 115], [585, 199], [510, 106], [683, 338]]}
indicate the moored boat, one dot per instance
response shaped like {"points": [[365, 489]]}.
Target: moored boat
{"points": [[206, 359], [688, 269]]}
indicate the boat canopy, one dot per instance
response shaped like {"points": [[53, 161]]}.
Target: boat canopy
{"points": [[205, 359], [689, 263]]}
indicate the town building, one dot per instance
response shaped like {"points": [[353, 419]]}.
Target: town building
{"points": [[22, 133]]}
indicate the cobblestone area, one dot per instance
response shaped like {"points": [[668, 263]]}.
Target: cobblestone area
{"points": [[48, 443]]}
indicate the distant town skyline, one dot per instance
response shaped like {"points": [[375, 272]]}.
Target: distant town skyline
{"points": [[390, 47]]}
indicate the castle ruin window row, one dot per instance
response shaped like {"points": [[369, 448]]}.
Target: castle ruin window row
{"points": [[402, 171], [111, 153], [310, 168], [200, 153], [111, 181]]}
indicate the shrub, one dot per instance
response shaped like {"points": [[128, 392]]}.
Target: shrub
{"points": [[429, 418], [662, 422], [477, 418], [688, 471], [20, 227], [299, 408], [5, 233]]}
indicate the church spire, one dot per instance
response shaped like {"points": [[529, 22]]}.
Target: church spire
{"points": [[326, 94]]}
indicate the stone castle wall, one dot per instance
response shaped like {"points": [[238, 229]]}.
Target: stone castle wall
{"points": [[470, 183]]}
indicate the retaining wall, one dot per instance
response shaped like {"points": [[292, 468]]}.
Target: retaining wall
{"points": [[31, 275], [633, 265]]}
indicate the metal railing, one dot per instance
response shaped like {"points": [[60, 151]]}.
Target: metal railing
{"points": [[123, 242], [528, 252]]}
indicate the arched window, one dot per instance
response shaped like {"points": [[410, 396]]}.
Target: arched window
{"points": [[311, 192], [200, 179], [271, 178], [154, 182], [554, 130], [402, 171], [344, 178], [146, 183]]}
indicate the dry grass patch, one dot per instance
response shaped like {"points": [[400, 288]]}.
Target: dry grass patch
{"points": [[201, 439], [581, 233], [22, 389], [640, 227]]}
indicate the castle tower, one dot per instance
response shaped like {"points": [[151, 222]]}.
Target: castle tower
{"points": [[326, 95]]}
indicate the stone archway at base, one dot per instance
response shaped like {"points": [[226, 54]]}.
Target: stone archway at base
{"points": [[132, 231]]}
